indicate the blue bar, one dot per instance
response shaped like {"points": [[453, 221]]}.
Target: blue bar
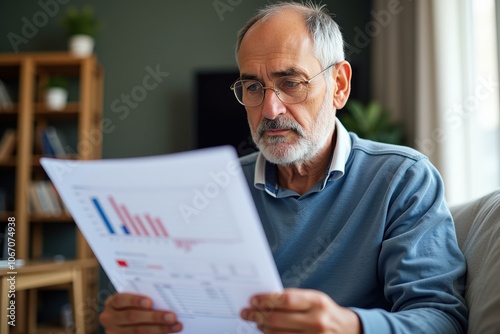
{"points": [[125, 229], [103, 215]]}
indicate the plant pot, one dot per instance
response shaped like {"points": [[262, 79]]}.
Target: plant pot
{"points": [[56, 98], [81, 45]]}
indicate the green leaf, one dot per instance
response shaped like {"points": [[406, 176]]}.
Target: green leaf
{"points": [[371, 121], [357, 111], [373, 114], [57, 81], [80, 21]]}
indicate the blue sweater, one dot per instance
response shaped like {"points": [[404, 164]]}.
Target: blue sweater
{"points": [[379, 239]]}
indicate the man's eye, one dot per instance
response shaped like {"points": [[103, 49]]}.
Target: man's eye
{"points": [[287, 84], [253, 87]]}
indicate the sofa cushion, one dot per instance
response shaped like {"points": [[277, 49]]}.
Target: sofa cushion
{"points": [[478, 231]]}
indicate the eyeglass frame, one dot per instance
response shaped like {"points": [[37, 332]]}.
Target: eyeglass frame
{"points": [[277, 91]]}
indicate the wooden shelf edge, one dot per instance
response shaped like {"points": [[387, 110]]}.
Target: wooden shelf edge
{"points": [[4, 215], [47, 329], [10, 162], [71, 108], [45, 218], [12, 110], [43, 57], [45, 265]]}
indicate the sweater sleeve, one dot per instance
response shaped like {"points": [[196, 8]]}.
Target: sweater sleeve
{"points": [[420, 263]]}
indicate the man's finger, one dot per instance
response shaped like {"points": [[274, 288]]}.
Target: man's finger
{"points": [[135, 317], [279, 320], [289, 300], [125, 300]]}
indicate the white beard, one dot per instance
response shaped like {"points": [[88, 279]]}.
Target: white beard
{"points": [[277, 150]]}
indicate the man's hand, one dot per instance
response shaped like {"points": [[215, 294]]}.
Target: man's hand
{"points": [[128, 313], [300, 311]]}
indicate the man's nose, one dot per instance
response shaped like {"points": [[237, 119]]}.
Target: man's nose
{"points": [[272, 106]]}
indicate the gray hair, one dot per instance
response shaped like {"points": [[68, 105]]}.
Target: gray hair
{"points": [[326, 35]]}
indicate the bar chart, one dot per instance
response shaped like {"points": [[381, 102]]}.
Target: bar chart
{"points": [[130, 223], [123, 215]]}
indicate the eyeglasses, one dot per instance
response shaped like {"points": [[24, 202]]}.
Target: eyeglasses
{"points": [[290, 89]]}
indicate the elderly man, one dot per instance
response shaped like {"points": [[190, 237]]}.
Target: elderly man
{"points": [[359, 230]]}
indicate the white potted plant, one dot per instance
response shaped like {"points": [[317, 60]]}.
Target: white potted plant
{"points": [[56, 93], [81, 26]]}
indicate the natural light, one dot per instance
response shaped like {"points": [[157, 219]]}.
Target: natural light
{"points": [[484, 126]]}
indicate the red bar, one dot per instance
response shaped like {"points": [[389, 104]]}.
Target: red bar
{"points": [[130, 220], [152, 225], [160, 225], [122, 263], [141, 225], [118, 212]]}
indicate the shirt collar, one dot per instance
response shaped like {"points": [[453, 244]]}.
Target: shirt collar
{"points": [[266, 178]]}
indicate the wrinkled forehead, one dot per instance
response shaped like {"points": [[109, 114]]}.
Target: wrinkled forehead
{"points": [[281, 40]]}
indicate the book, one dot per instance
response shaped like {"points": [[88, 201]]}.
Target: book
{"points": [[5, 100], [35, 205], [53, 197], [44, 198], [56, 195], [47, 148], [7, 144], [53, 143]]}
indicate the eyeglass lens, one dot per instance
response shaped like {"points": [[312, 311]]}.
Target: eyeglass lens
{"points": [[288, 89]]}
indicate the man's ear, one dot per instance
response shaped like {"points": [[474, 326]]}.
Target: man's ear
{"points": [[342, 87]]}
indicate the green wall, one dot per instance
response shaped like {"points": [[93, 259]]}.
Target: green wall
{"points": [[180, 37]]}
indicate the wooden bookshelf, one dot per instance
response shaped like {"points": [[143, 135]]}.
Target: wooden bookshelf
{"points": [[26, 74]]}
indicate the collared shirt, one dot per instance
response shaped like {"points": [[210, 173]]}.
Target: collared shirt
{"points": [[375, 235]]}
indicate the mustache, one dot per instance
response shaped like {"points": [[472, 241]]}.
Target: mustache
{"points": [[279, 123]]}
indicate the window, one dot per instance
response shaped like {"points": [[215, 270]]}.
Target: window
{"points": [[482, 104]]}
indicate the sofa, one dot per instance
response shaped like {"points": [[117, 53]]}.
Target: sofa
{"points": [[477, 224]]}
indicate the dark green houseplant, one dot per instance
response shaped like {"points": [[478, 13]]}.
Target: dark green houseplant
{"points": [[81, 26], [371, 121], [80, 21]]}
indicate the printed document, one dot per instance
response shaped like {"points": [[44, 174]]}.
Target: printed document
{"points": [[180, 228]]}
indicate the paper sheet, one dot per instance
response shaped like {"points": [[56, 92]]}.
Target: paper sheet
{"points": [[180, 228]]}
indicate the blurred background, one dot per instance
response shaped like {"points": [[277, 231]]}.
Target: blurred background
{"points": [[182, 38]]}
